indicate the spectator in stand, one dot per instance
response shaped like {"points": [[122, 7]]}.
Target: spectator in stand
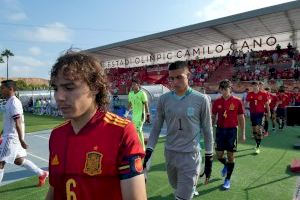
{"points": [[296, 74], [272, 72], [278, 48], [275, 57]]}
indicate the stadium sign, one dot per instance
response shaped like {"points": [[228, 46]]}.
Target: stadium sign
{"points": [[196, 52]]}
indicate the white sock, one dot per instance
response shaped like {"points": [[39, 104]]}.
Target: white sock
{"points": [[1, 174], [32, 167]]}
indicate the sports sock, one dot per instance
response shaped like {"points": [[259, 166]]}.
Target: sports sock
{"points": [[32, 167], [223, 160], [230, 167], [258, 141], [266, 126], [1, 174]]}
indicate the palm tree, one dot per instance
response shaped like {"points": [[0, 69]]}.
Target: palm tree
{"points": [[7, 53]]}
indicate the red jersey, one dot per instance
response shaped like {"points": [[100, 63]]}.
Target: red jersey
{"points": [[228, 111], [283, 100], [273, 102], [257, 101], [90, 164]]}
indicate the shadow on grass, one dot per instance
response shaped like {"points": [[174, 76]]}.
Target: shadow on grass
{"points": [[15, 175], [169, 197], [249, 154], [287, 171], [158, 167], [17, 189], [244, 150]]}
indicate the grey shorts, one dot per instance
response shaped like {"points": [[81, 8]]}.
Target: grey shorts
{"points": [[183, 170]]}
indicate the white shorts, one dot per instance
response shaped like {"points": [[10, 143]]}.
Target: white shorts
{"points": [[10, 149]]}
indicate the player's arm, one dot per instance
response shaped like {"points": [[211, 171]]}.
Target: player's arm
{"points": [[214, 113], [134, 188], [129, 106], [213, 119], [146, 106], [20, 131], [155, 131], [267, 106], [50, 193], [128, 109], [241, 121], [206, 124]]}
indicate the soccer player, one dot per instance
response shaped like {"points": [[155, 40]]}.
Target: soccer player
{"points": [[229, 112], [95, 154], [258, 101], [296, 96], [273, 101], [185, 111], [283, 101], [138, 102], [266, 119], [13, 147]]}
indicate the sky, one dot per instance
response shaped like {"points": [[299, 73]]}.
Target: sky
{"points": [[39, 31]]}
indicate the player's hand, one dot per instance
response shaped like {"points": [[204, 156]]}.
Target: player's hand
{"points": [[126, 114], [148, 118], [23, 144], [244, 137], [207, 167], [147, 157]]}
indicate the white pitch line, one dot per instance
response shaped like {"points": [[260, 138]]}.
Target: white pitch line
{"points": [[40, 137], [47, 161]]}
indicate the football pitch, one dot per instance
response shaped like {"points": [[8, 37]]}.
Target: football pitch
{"points": [[256, 177]]}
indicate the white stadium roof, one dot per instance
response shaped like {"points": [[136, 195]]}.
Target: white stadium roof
{"points": [[266, 21]]}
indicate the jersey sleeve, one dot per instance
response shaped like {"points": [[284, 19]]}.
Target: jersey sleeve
{"points": [[129, 97], [144, 97], [16, 109], [248, 97], [241, 109], [158, 123], [214, 107], [130, 154]]}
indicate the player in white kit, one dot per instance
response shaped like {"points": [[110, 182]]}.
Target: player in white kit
{"points": [[13, 146]]}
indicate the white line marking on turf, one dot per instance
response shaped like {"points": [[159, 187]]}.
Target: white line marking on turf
{"points": [[47, 161], [46, 138]]}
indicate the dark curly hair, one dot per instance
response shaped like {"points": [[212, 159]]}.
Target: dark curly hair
{"points": [[85, 67]]}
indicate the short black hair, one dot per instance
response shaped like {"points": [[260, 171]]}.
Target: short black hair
{"points": [[9, 84], [267, 89], [135, 81], [178, 65], [281, 89], [254, 83], [224, 84]]}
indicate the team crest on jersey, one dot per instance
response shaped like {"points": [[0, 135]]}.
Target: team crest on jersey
{"points": [[259, 97], [219, 106], [190, 111], [231, 107], [93, 163]]}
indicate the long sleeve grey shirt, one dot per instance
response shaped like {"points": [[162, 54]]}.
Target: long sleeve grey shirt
{"points": [[184, 117]]}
